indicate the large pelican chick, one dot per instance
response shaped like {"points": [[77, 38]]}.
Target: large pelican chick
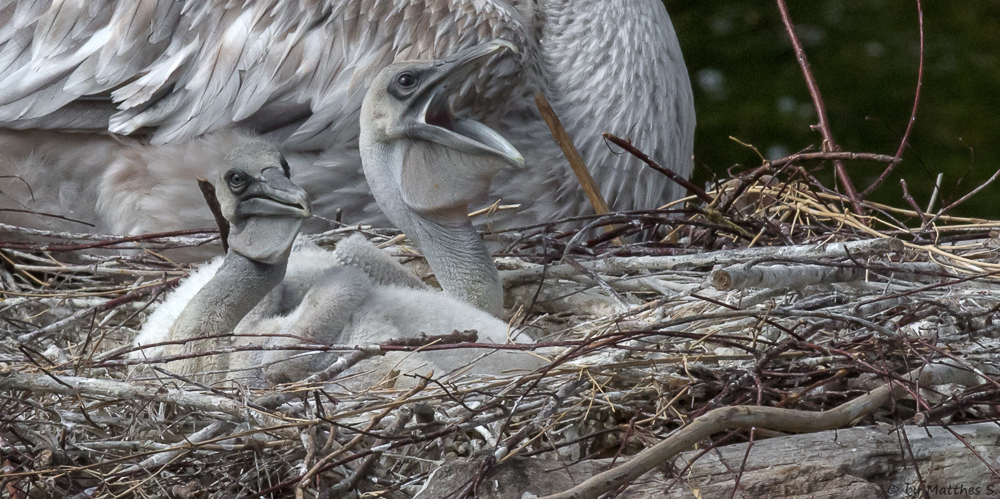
{"points": [[425, 165]]}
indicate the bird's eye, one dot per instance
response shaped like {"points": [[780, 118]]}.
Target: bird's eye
{"points": [[406, 80], [237, 180]]}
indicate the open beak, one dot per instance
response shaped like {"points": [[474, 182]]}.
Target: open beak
{"points": [[436, 122], [274, 195]]}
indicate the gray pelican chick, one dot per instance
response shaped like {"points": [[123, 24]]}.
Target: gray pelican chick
{"points": [[425, 165], [262, 288]]}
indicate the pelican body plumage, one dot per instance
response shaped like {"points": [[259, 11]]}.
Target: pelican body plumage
{"points": [[109, 110]]}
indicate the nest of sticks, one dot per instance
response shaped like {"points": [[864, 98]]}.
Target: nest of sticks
{"points": [[768, 307]]}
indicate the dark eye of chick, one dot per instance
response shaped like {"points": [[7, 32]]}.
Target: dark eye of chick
{"points": [[284, 166], [237, 180], [406, 80]]}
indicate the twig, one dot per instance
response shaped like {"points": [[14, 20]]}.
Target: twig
{"points": [[211, 431], [50, 215], [572, 155], [208, 190], [403, 416], [683, 182], [807, 156], [624, 265], [964, 198], [322, 463], [913, 203], [364, 352], [913, 114], [743, 464], [105, 241], [935, 193], [74, 386], [817, 98], [131, 296]]}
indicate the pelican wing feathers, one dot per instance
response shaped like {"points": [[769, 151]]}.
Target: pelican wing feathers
{"points": [[179, 69]]}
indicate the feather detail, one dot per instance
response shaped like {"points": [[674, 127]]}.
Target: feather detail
{"points": [[297, 70]]}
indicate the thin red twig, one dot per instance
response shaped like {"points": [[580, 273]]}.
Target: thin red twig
{"points": [[672, 175], [912, 202], [817, 98], [806, 156], [913, 114], [50, 215], [743, 465], [965, 198]]}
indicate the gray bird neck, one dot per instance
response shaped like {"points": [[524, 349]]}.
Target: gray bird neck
{"points": [[237, 287], [460, 260], [459, 257]]}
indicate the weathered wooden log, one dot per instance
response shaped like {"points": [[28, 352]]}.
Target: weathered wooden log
{"points": [[781, 276], [863, 463], [771, 418], [625, 265], [742, 276]]}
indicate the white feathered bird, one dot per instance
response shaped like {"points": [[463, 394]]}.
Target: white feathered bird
{"points": [[110, 109]]}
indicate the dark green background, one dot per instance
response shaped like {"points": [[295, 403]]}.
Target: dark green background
{"points": [[864, 54]]}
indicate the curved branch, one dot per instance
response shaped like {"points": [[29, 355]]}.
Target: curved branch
{"points": [[772, 418], [913, 114]]}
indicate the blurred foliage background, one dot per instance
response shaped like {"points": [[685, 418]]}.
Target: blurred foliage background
{"points": [[865, 55]]}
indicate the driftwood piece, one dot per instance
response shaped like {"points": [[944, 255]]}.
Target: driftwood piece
{"points": [[76, 386], [624, 265], [781, 276], [861, 463], [742, 276], [869, 462]]}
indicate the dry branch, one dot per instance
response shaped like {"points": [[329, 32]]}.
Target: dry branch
{"points": [[782, 276], [913, 114], [565, 142], [208, 191], [624, 265], [129, 297], [743, 276], [683, 182], [817, 98], [209, 432], [117, 390], [807, 156]]}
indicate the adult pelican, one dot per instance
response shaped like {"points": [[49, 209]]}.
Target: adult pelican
{"points": [[110, 109]]}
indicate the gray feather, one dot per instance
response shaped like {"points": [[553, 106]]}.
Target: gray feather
{"points": [[178, 70]]}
